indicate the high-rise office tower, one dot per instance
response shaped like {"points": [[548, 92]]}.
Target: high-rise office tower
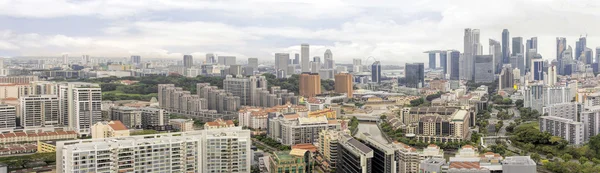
{"points": [[317, 59], [65, 58], [532, 43], [227, 60], [444, 61], [496, 52], [315, 67], [81, 105], [282, 61], [505, 46], [296, 59], [39, 111], [376, 72], [305, 60], [431, 60], [484, 69], [506, 78], [356, 65], [353, 156], [454, 65], [136, 59], [188, 61], [8, 117], [597, 55], [415, 75], [561, 46], [210, 58], [517, 47], [310, 84], [538, 69], [472, 47], [253, 62], [344, 84], [86, 59], [589, 56], [580, 46], [328, 60], [551, 79], [192, 151]]}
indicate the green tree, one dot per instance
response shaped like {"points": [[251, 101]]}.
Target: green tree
{"points": [[535, 157], [566, 157]]}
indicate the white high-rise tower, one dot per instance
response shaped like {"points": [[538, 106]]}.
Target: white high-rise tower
{"points": [[304, 53]]}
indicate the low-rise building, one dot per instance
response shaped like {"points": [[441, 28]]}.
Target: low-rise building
{"points": [[219, 123], [22, 137], [182, 125], [292, 129], [296, 160], [330, 114], [109, 129]]}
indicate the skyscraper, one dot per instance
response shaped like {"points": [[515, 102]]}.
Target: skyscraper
{"points": [[356, 65], [505, 46], [304, 50], [551, 79], [538, 69], [415, 75], [454, 65], [282, 61], [81, 104], [86, 59], [580, 47], [484, 69], [296, 59], [532, 43], [136, 59], [245, 88], [344, 84], [188, 61], [328, 60], [506, 78], [496, 52], [431, 60], [210, 58], [376, 72], [472, 47], [589, 56], [227, 60], [444, 61], [65, 58], [597, 55], [517, 47], [317, 59], [315, 67], [253, 62]]}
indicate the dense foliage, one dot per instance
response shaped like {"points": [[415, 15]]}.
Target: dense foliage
{"points": [[271, 142], [28, 161], [353, 124]]}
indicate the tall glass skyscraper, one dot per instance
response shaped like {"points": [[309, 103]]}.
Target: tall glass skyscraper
{"points": [[376, 72]]}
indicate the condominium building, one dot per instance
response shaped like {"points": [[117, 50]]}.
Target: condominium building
{"points": [[568, 129], [208, 104], [353, 156], [568, 110], [18, 79], [538, 96], [438, 128], [109, 129], [39, 111], [344, 84], [194, 151], [8, 117], [129, 116], [310, 84], [328, 149], [245, 88], [292, 130], [296, 160], [154, 117], [80, 105], [590, 117], [255, 118]]}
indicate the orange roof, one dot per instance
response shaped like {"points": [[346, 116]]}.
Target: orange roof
{"points": [[117, 125], [467, 146], [465, 165], [309, 147], [10, 98], [432, 145], [291, 116], [21, 134]]}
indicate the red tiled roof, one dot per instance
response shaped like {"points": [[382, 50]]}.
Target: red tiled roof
{"points": [[117, 125], [465, 165]]}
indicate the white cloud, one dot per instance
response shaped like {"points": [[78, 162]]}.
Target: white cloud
{"points": [[393, 31]]}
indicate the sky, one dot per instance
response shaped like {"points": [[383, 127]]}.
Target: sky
{"points": [[391, 31]]}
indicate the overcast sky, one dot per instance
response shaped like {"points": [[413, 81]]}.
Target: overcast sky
{"points": [[392, 31]]}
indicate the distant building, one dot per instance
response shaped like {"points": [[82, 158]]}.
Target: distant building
{"points": [[305, 57], [292, 129], [136, 59], [182, 125], [219, 123], [518, 164], [415, 75], [253, 62], [109, 130], [310, 84], [344, 84], [454, 65], [188, 61], [376, 72], [227, 60], [506, 79], [129, 116]]}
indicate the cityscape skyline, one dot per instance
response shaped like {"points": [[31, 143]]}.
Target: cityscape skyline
{"points": [[349, 29]]}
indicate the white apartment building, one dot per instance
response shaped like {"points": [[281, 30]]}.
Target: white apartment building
{"points": [[39, 111], [216, 150], [566, 110], [81, 106], [8, 117], [590, 117], [255, 118], [292, 130], [568, 129]]}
